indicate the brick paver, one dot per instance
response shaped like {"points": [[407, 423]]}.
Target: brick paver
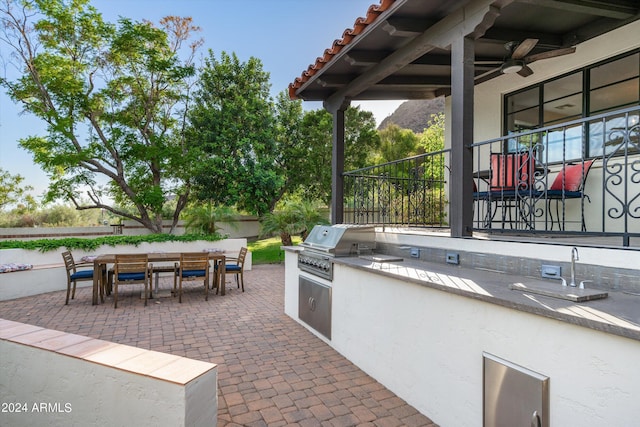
{"points": [[271, 370]]}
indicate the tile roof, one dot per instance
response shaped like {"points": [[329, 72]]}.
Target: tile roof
{"points": [[347, 36]]}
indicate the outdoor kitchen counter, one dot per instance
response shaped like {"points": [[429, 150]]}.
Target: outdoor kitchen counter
{"points": [[617, 314]]}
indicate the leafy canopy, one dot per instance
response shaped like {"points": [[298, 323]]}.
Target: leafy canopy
{"points": [[232, 124], [113, 98]]}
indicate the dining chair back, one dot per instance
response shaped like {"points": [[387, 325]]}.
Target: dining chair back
{"points": [[74, 275], [512, 171], [236, 267], [192, 266], [132, 269]]}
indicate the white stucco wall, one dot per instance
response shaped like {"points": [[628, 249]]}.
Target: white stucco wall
{"points": [[488, 96], [114, 385], [426, 346]]}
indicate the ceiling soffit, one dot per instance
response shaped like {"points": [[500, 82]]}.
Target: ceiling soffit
{"points": [[401, 49]]}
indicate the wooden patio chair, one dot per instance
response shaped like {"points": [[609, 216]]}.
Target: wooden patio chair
{"points": [[192, 266], [74, 275], [132, 269], [236, 267]]}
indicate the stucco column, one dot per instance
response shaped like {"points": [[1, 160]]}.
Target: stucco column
{"points": [[337, 164], [461, 183]]}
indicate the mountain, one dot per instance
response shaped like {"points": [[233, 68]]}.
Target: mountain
{"points": [[414, 114]]}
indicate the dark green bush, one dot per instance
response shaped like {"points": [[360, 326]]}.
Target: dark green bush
{"points": [[72, 243]]}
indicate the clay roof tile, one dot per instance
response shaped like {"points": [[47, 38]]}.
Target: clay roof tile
{"points": [[347, 37]]}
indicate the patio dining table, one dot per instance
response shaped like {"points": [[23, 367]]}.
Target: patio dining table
{"points": [[101, 262]]}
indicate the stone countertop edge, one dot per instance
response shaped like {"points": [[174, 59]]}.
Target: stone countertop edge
{"points": [[618, 305]]}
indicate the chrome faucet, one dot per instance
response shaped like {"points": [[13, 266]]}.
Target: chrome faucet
{"points": [[574, 258]]}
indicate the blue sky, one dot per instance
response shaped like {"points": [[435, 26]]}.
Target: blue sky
{"points": [[286, 35]]}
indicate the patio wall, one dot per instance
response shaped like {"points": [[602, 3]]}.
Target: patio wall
{"points": [[48, 273], [54, 378], [245, 226]]}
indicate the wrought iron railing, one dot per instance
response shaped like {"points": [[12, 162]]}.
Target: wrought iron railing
{"points": [[540, 194], [408, 192]]}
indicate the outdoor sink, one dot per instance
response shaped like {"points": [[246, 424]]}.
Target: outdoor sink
{"points": [[556, 290]]}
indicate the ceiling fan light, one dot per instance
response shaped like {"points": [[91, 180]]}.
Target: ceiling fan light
{"points": [[512, 66]]}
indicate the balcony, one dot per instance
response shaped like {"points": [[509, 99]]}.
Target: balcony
{"points": [[579, 178]]}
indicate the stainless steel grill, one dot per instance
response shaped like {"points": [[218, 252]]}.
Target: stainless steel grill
{"points": [[326, 242]]}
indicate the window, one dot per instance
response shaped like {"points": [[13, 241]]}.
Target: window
{"points": [[606, 86]]}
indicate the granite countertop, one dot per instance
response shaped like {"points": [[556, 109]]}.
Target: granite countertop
{"points": [[618, 313]]}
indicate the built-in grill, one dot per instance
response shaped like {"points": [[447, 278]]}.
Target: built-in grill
{"points": [[326, 242], [323, 244]]}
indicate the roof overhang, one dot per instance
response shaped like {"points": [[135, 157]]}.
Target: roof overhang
{"points": [[401, 49]]}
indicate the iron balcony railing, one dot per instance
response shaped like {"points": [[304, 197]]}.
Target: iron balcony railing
{"points": [[578, 177], [409, 192]]}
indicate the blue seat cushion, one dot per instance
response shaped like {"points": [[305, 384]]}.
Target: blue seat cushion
{"points": [[230, 267], [83, 274], [559, 194], [192, 273], [122, 277]]}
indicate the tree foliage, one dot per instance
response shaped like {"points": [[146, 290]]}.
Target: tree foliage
{"points": [[361, 140], [292, 217], [396, 143], [232, 124], [202, 218], [11, 189], [113, 99]]}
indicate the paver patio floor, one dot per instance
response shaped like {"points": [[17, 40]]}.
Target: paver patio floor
{"points": [[271, 370]]}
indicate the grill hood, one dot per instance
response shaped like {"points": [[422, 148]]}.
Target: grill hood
{"points": [[341, 239]]}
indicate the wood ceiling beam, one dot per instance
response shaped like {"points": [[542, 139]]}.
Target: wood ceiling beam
{"points": [[473, 20], [406, 27], [365, 57], [604, 9], [503, 35], [415, 81]]}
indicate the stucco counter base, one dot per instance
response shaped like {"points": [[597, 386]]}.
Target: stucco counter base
{"points": [[618, 314], [421, 329]]}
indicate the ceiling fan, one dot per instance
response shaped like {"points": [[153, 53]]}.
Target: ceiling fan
{"points": [[517, 59]]}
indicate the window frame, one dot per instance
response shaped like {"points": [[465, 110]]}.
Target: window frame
{"points": [[584, 107]]}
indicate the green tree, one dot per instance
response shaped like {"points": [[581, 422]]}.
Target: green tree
{"points": [[232, 124], [291, 147], [292, 217], [113, 98], [396, 143], [203, 218], [432, 139], [11, 189], [361, 139]]}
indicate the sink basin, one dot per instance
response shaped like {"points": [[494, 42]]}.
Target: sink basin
{"points": [[381, 258], [556, 290]]}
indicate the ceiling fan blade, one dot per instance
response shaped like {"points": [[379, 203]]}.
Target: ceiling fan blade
{"points": [[488, 75], [495, 63], [550, 54], [526, 71], [523, 48]]}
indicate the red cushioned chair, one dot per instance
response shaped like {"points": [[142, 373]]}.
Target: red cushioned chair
{"points": [[569, 184]]}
